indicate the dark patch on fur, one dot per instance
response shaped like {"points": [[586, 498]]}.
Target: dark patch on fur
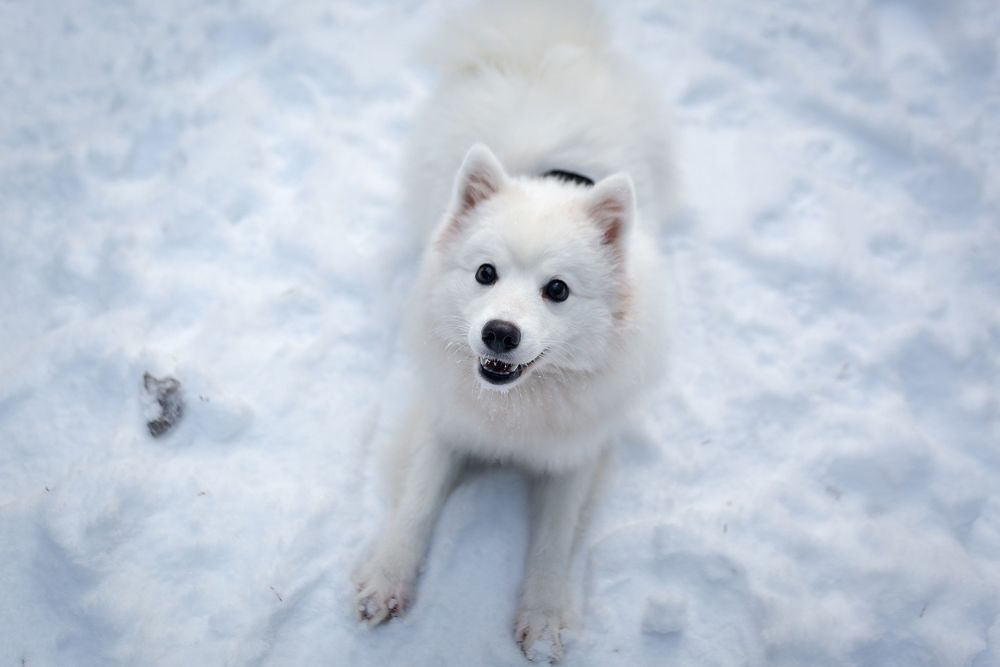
{"points": [[569, 177]]}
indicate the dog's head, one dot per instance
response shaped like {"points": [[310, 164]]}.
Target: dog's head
{"points": [[529, 274]]}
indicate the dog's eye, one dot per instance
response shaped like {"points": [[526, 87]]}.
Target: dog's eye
{"points": [[556, 290], [486, 274]]}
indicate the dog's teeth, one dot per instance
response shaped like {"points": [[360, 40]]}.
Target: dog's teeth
{"points": [[496, 365]]}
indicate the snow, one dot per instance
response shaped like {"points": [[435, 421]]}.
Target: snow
{"points": [[664, 614], [208, 191]]}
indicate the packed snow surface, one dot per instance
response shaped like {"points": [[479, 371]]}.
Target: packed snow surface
{"points": [[209, 191]]}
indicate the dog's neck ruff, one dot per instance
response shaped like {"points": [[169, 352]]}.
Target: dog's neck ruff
{"points": [[569, 176]]}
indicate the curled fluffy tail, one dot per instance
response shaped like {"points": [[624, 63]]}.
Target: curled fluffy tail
{"points": [[514, 34]]}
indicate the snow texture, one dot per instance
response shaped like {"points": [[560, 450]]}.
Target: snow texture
{"points": [[664, 615], [208, 191]]}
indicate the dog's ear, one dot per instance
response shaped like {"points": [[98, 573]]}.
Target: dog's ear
{"points": [[480, 177], [611, 205]]}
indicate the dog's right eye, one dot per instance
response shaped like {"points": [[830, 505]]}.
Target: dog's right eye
{"points": [[486, 274]]}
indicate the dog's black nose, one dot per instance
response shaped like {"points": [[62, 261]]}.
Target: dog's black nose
{"points": [[501, 336]]}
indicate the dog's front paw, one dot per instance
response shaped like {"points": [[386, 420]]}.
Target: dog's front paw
{"points": [[537, 632], [380, 596]]}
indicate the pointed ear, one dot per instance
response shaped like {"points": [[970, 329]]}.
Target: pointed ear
{"points": [[480, 177], [611, 206]]}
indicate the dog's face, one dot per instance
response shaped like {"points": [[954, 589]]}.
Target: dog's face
{"points": [[529, 274]]}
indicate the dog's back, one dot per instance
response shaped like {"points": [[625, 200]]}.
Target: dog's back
{"points": [[538, 82]]}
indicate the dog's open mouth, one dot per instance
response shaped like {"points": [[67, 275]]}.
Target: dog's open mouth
{"points": [[496, 371]]}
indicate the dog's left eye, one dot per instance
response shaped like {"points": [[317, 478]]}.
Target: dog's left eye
{"points": [[556, 290]]}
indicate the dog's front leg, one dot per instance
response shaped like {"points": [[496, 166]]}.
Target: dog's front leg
{"points": [[385, 581], [557, 504]]}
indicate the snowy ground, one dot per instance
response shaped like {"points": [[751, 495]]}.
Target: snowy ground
{"points": [[207, 190]]}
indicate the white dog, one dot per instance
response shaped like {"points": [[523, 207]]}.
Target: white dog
{"points": [[538, 306]]}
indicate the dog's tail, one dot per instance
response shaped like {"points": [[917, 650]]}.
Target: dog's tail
{"points": [[515, 34]]}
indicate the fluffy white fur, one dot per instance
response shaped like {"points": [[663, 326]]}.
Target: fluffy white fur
{"points": [[526, 87]]}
